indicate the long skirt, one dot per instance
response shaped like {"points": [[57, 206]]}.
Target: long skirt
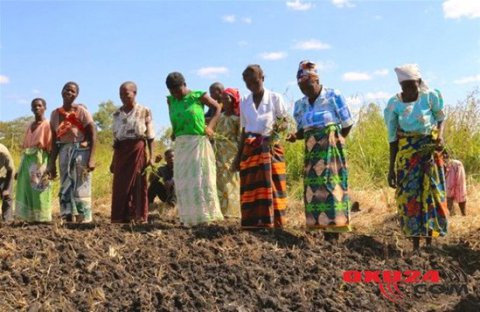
{"points": [[195, 180], [420, 192], [263, 189], [327, 203], [75, 181], [228, 182], [34, 192], [129, 194]]}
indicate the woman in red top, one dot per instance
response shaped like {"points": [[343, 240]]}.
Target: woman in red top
{"points": [[74, 141]]}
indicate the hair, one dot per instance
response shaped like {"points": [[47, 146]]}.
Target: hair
{"points": [[41, 100], [175, 80], [168, 151], [128, 83], [217, 85], [253, 68], [72, 83]]}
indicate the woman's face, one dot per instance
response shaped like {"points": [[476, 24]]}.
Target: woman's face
{"points": [[410, 87], [127, 94], [38, 109], [310, 87], [227, 102], [69, 93], [253, 82], [178, 92]]}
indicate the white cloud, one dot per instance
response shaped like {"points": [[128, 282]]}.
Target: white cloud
{"points": [[325, 65], [36, 91], [247, 20], [229, 18], [343, 3], [273, 56], [4, 79], [356, 76], [312, 44], [468, 79], [381, 72], [242, 43], [299, 5], [380, 95], [211, 72], [461, 8]]}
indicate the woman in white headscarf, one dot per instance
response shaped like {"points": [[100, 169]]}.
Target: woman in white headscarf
{"points": [[414, 118]]}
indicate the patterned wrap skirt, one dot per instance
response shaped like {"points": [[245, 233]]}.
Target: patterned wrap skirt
{"points": [[34, 191], [263, 190], [420, 192], [75, 181], [195, 180], [327, 203]]}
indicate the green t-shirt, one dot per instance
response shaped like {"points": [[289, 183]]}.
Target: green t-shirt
{"points": [[187, 115]]}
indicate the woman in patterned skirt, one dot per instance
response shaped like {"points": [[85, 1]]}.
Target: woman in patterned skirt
{"points": [[74, 143], [324, 121], [226, 149], [33, 200], [414, 118]]}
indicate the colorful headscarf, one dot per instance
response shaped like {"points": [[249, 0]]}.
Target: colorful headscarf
{"points": [[410, 72], [306, 70], [235, 95]]}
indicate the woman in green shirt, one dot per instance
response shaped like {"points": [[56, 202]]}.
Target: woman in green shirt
{"points": [[194, 163]]}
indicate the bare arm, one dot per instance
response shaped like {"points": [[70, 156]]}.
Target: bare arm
{"points": [[241, 143], [392, 180], [52, 166], [150, 152], [91, 134], [440, 141], [211, 103]]}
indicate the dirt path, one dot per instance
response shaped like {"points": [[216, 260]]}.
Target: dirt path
{"points": [[163, 267]]}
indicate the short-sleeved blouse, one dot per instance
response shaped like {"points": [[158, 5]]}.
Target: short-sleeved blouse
{"points": [[136, 124], [420, 116], [187, 115], [329, 108], [71, 128], [260, 120]]}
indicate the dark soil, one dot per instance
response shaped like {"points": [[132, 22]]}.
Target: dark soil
{"points": [[163, 266]]}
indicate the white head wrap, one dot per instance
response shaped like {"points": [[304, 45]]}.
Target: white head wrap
{"points": [[410, 72]]}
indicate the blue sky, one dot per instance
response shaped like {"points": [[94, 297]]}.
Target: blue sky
{"points": [[100, 44]]}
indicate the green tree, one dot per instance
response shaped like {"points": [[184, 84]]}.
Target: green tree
{"points": [[104, 116], [104, 120], [12, 132]]}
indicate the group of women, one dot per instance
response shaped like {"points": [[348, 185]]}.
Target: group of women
{"points": [[207, 183]]}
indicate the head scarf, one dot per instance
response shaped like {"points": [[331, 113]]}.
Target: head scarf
{"points": [[307, 70], [235, 95], [410, 72]]}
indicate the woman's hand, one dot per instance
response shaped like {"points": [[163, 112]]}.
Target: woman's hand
{"points": [[51, 171], [209, 132], [91, 164], [440, 143], [291, 137], [392, 178]]}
